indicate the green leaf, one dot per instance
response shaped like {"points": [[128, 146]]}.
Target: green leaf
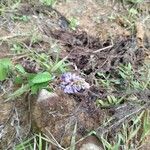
{"points": [[40, 142], [42, 77], [110, 99], [5, 65], [6, 62], [20, 69], [135, 1], [17, 48], [49, 2], [19, 80], [133, 11], [21, 18], [133, 133], [36, 87], [122, 75], [117, 145], [30, 76], [73, 23], [106, 144], [58, 64], [25, 144], [3, 72], [146, 126]]}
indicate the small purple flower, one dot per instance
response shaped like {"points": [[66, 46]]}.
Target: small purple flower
{"points": [[71, 83]]}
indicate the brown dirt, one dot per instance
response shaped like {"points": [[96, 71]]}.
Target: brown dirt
{"points": [[93, 17], [15, 122], [91, 55], [98, 45], [146, 144]]}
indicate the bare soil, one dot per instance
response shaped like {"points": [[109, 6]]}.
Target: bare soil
{"points": [[99, 44]]}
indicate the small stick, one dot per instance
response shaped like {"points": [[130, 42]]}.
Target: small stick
{"points": [[104, 48], [4, 38], [57, 144]]}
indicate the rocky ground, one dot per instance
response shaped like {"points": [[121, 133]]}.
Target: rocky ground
{"points": [[76, 73]]}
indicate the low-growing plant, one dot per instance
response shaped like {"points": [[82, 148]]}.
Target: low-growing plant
{"points": [[106, 80], [145, 125], [37, 142], [17, 48], [54, 66], [135, 1], [30, 82], [5, 66], [23, 18], [109, 146], [130, 136], [110, 101], [131, 80], [49, 2], [73, 23]]}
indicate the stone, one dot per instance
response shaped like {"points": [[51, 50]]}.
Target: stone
{"points": [[55, 114]]}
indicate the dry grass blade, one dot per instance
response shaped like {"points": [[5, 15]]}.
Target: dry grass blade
{"points": [[140, 34], [5, 38], [58, 64], [55, 141], [73, 140]]}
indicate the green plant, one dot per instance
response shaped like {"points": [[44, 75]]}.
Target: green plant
{"points": [[111, 101], [106, 80], [37, 142], [49, 2], [132, 12], [109, 146], [35, 81], [126, 71], [129, 136], [23, 18], [135, 1], [40, 81], [131, 81], [17, 48], [5, 66], [73, 23], [28, 81], [145, 125], [54, 66]]}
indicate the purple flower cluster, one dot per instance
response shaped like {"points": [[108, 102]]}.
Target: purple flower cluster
{"points": [[71, 83]]}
